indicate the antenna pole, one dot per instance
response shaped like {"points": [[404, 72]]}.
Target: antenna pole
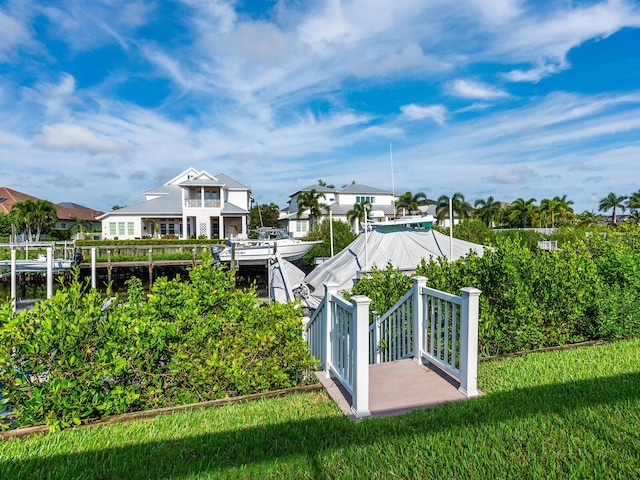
{"points": [[393, 189]]}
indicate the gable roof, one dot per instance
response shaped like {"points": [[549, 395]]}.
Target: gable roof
{"points": [[9, 196], [71, 211]]}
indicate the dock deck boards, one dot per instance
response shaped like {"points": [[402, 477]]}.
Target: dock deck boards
{"points": [[398, 387]]}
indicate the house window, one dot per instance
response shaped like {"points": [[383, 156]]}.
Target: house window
{"points": [[63, 225], [301, 226], [172, 229], [163, 229], [129, 228], [120, 228], [112, 229], [365, 199]]}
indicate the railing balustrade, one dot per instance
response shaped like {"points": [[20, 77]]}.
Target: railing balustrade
{"points": [[425, 324], [199, 203]]}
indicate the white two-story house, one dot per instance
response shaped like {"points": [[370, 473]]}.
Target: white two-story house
{"points": [[339, 201], [193, 204]]}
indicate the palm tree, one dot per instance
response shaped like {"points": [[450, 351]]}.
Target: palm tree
{"points": [[44, 213], [520, 211], [22, 215], [461, 207], [565, 212], [634, 217], [539, 216], [612, 201], [633, 203], [310, 200], [487, 210], [410, 202], [550, 205], [588, 218], [358, 214]]}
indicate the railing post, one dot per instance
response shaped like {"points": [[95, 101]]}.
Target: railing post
{"points": [[418, 327], [49, 272], [469, 313], [93, 267], [14, 298], [330, 289], [360, 342], [374, 350]]}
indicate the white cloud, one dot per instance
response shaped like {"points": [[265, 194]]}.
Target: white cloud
{"points": [[68, 137], [418, 112], [476, 90], [12, 34], [514, 175]]}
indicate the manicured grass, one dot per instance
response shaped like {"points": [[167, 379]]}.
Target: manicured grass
{"points": [[564, 414]]}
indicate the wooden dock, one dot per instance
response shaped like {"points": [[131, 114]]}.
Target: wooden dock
{"points": [[398, 387]]}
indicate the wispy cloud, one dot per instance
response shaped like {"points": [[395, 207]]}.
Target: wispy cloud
{"points": [[476, 90], [73, 138], [418, 112]]}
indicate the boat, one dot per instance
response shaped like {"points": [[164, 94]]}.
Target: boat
{"points": [[269, 241], [423, 222]]}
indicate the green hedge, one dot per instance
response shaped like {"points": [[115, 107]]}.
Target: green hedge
{"points": [[151, 241], [531, 298], [73, 357]]}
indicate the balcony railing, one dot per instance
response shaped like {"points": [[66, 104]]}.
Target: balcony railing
{"points": [[197, 203]]}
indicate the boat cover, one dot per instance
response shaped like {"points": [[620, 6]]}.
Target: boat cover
{"points": [[402, 247]]}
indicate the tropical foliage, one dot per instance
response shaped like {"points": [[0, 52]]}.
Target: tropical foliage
{"points": [[342, 236], [358, 213], [612, 202], [76, 356], [310, 200], [264, 215], [409, 203], [461, 208], [33, 216]]}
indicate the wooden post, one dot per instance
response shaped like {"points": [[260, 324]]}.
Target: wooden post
{"points": [[469, 313], [360, 343], [418, 314], [330, 289]]}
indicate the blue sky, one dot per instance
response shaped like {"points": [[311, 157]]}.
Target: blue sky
{"points": [[102, 100]]}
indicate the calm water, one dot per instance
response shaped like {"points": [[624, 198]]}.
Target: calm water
{"points": [[33, 285]]}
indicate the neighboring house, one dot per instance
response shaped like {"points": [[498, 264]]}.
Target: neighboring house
{"points": [[339, 201], [193, 204], [66, 212], [69, 214], [8, 197]]}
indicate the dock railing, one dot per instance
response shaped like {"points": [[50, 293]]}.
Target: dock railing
{"points": [[426, 324]]}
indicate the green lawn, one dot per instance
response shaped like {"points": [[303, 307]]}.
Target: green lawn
{"points": [[564, 414]]}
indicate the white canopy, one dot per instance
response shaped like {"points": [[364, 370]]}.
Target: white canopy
{"points": [[403, 247]]}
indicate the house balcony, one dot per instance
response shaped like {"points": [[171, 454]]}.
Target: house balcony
{"points": [[199, 203]]}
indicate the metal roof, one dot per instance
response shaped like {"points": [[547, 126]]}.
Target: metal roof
{"points": [[231, 183], [202, 182], [231, 209], [169, 204], [364, 189]]}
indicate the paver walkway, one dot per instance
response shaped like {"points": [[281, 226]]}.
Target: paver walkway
{"points": [[398, 387]]}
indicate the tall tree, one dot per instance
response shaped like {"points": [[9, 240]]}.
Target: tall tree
{"points": [[461, 207], [322, 183], [21, 215], [633, 202], [410, 202], [487, 210], [310, 200], [44, 214], [264, 215], [588, 218], [520, 211], [612, 201], [358, 213]]}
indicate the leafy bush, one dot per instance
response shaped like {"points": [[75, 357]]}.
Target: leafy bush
{"points": [[76, 357], [342, 236], [533, 298]]}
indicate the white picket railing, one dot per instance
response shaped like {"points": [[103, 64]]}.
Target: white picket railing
{"points": [[340, 336]]}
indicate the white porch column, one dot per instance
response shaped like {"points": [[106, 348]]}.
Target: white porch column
{"points": [[360, 342], [418, 314], [469, 314], [93, 267]]}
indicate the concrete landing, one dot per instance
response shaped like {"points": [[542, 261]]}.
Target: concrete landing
{"points": [[398, 387]]}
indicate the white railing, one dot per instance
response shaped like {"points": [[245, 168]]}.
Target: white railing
{"points": [[343, 350], [198, 203], [340, 336], [390, 336]]}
